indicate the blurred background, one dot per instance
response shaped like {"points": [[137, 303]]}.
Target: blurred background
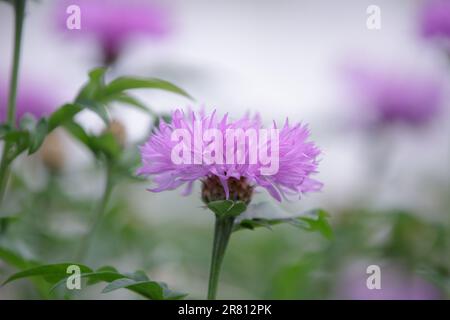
{"points": [[376, 101]]}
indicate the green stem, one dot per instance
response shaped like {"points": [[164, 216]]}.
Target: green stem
{"points": [[222, 232], [19, 13], [4, 171], [100, 210]]}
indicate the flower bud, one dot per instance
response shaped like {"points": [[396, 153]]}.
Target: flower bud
{"points": [[239, 190], [117, 129], [51, 153]]}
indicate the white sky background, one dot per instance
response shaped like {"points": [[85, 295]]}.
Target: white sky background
{"points": [[279, 58]]}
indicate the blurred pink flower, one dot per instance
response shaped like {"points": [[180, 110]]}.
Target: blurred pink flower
{"points": [[396, 284], [395, 97], [32, 99], [112, 23], [435, 19], [297, 160]]}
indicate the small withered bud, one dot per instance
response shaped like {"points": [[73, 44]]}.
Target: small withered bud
{"points": [[240, 190], [117, 129], [52, 152], [110, 56]]}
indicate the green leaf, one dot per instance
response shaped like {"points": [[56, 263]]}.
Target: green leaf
{"points": [[264, 215], [149, 289], [125, 83], [104, 273], [51, 273], [137, 282], [106, 144], [256, 223], [93, 278], [5, 222], [20, 141], [16, 136], [92, 93], [63, 115], [228, 208], [77, 132], [13, 258], [166, 118], [4, 129], [96, 106], [138, 275], [38, 135], [95, 95], [30, 137], [93, 89], [132, 101], [318, 222], [27, 122]]}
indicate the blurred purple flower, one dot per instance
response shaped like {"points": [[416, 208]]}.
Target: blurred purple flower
{"points": [[435, 19], [394, 97], [396, 284], [112, 23], [31, 99], [297, 160]]}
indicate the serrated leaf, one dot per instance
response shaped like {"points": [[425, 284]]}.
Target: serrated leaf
{"points": [[318, 222], [137, 282], [126, 83], [228, 208], [261, 215], [51, 273]]}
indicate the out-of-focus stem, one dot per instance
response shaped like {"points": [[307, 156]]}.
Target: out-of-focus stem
{"points": [[100, 210], [19, 12]]}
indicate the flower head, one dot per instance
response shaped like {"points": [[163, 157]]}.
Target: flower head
{"points": [[31, 99], [231, 158], [435, 19], [112, 23], [397, 283], [394, 97]]}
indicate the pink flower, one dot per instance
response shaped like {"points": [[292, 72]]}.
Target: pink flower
{"points": [[294, 156], [31, 99], [435, 19], [396, 283], [396, 97], [112, 23]]}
